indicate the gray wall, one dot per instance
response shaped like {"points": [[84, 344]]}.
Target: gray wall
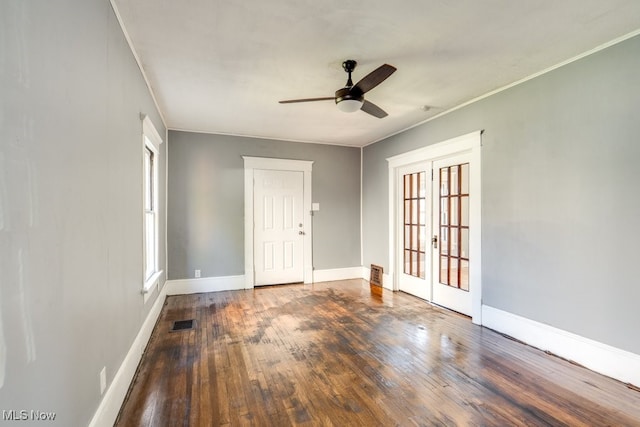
{"points": [[206, 201], [560, 206], [70, 204]]}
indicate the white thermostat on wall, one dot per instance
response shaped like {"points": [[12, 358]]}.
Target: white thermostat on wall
{"points": [[315, 207]]}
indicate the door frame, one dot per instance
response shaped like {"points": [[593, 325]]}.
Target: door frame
{"points": [[468, 143], [265, 163]]}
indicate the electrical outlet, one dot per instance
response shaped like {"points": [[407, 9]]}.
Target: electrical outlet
{"points": [[103, 379], [197, 274]]}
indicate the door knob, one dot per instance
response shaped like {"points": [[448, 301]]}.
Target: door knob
{"points": [[301, 233], [434, 241]]}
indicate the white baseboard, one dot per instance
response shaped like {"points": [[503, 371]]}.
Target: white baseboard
{"points": [[387, 283], [337, 274], [205, 284], [115, 394], [602, 358]]}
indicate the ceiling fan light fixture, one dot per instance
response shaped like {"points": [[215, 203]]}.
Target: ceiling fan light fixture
{"points": [[348, 100], [350, 105]]}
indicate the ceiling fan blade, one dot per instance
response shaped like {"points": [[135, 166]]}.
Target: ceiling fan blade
{"points": [[291, 101], [373, 109], [375, 77]]}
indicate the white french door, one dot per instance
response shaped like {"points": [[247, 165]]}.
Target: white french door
{"points": [[450, 238], [433, 200], [278, 226], [414, 257]]}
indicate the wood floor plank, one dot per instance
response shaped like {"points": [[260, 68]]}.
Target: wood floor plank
{"points": [[343, 353]]}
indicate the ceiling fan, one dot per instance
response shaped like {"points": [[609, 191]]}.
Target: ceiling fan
{"points": [[351, 97]]}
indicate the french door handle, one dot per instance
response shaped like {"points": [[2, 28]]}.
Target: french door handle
{"points": [[434, 241]]}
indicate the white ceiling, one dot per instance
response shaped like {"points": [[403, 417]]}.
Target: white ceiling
{"points": [[221, 66]]}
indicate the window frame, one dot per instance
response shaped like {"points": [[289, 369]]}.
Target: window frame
{"points": [[151, 141]]}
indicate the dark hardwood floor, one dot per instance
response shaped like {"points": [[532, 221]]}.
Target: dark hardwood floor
{"points": [[345, 354]]}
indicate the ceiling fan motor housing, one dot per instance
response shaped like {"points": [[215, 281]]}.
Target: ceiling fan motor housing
{"points": [[346, 93]]}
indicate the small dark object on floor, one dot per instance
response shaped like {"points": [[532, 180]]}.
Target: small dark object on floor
{"points": [[182, 325]]}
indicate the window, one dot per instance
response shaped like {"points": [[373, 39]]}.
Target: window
{"points": [[151, 143], [150, 214]]}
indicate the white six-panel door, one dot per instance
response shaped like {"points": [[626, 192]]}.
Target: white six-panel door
{"points": [[278, 226]]}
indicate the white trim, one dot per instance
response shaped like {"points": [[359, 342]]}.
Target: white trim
{"points": [[387, 281], [149, 285], [268, 138], [138, 61], [459, 144], [475, 224], [305, 166], [278, 164], [150, 131], [204, 284], [468, 143], [602, 358], [248, 229], [393, 179], [332, 274], [361, 206], [115, 394], [513, 84], [166, 203]]}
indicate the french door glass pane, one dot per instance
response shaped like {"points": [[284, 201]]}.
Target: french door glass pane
{"points": [[423, 186], [444, 241], [407, 236], [414, 238], [444, 181], [464, 178], [453, 245], [453, 272], [453, 210], [414, 211], [464, 275], [444, 211], [407, 186], [464, 243], [453, 180], [444, 270], [464, 211], [414, 186], [407, 262], [407, 211], [422, 219]]}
